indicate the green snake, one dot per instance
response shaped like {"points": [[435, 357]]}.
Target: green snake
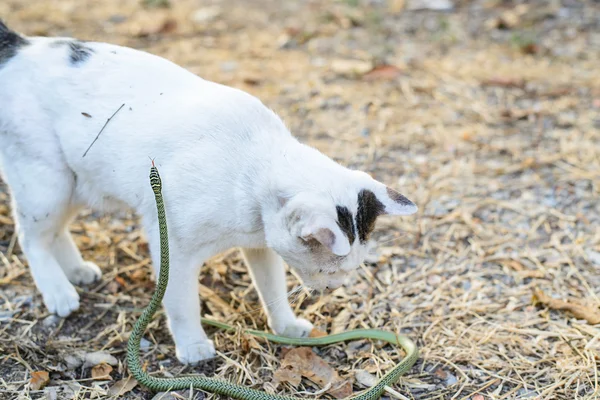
{"points": [[225, 388]]}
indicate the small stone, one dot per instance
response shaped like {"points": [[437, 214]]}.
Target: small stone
{"points": [[451, 380], [51, 320], [206, 14], [351, 68], [117, 19], [99, 357], [74, 360], [229, 66], [145, 344], [435, 5], [51, 393]]}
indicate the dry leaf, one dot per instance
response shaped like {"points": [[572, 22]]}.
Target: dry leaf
{"points": [[341, 389], [303, 362], [101, 372], [383, 72], [252, 80], [340, 322], [351, 68], [590, 314], [123, 386], [39, 379], [505, 82], [317, 333], [168, 26], [288, 374]]}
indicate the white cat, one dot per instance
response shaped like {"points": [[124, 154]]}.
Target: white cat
{"points": [[233, 176]]}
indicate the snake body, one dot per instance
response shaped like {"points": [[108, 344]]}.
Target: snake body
{"points": [[225, 388]]}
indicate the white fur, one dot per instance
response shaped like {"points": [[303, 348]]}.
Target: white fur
{"points": [[233, 176]]}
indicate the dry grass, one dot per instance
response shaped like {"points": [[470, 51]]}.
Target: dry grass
{"points": [[500, 150]]}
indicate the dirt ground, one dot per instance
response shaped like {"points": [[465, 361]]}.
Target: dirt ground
{"points": [[487, 115]]}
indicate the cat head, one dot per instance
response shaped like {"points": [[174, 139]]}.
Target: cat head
{"points": [[323, 234]]}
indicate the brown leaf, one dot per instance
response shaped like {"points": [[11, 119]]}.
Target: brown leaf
{"points": [[287, 374], [383, 72], [138, 275], [168, 26], [303, 362], [590, 314], [505, 82], [341, 390], [530, 48], [123, 386], [252, 80], [317, 333], [86, 115], [101, 372], [39, 379], [121, 281], [440, 373]]}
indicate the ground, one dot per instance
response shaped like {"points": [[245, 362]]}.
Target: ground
{"points": [[487, 115]]}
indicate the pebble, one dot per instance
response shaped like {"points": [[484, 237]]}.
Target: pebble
{"points": [[74, 360], [51, 320], [206, 14], [99, 357], [436, 5], [145, 344], [229, 66]]}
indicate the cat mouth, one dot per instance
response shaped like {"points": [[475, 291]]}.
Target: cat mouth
{"points": [[323, 280]]}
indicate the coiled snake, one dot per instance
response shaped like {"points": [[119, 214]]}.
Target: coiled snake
{"points": [[225, 388]]}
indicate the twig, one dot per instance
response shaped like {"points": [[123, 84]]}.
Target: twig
{"points": [[98, 135]]}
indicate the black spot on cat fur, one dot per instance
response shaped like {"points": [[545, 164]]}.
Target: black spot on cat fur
{"points": [[79, 52], [10, 43], [345, 222], [369, 208]]}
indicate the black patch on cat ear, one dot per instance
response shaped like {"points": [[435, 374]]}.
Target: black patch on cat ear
{"points": [[369, 208], [398, 198], [346, 223], [10, 43]]}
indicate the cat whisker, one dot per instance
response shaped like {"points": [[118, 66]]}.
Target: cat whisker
{"points": [[390, 240]]}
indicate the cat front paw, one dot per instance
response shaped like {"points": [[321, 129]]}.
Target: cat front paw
{"points": [[298, 328], [194, 353], [61, 301], [84, 274]]}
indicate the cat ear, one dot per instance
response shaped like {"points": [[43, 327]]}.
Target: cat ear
{"points": [[390, 202], [396, 203], [328, 235]]}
